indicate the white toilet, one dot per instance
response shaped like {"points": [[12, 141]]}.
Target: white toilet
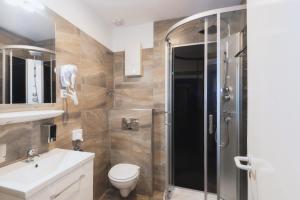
{"points": [[124, 177]]}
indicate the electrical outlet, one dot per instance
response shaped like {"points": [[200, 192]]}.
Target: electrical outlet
{"points": [[2, 152]]}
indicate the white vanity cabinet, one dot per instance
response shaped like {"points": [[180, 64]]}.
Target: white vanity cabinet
{"points": [[78, 185], [72, 179]]}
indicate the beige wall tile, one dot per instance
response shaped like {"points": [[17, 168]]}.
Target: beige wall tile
{"points": [[135, 147]]}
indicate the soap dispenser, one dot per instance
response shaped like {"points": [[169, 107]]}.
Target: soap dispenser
{"points": [[77, 139], [49, 131]]}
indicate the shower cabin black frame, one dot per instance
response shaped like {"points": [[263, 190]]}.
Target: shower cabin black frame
{"points": [[169, 98]]}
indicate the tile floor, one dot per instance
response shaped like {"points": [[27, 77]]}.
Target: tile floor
{"points": [[113, 194], [178, 194], [187, 194]]}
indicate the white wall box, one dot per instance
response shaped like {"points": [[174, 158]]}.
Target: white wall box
{"points": [[133, 61]]}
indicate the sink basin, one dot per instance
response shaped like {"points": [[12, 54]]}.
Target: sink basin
{"points": [[25, 179]]}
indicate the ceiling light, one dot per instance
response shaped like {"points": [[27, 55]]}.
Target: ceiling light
{"points": [[118, 22], [29, 5]]}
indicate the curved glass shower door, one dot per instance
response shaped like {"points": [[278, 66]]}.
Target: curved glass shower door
{"points": [[206, 104], [233, 104], [194, 106]]}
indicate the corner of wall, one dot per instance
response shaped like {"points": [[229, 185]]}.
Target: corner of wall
{"points": [[80, 15], [122, 35]]}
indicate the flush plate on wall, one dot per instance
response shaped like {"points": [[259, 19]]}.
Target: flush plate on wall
{"points": [[131, 124]]}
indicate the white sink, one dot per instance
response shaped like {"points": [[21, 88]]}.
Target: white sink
{"points": [[24, 180]]}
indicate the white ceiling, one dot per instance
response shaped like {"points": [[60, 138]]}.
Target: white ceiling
{"points": [[31, 25], [136, 12]]}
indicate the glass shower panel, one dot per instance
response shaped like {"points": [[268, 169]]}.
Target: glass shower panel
{"points": [[232, 25], [211, 102], [187, 137], [189, 33], [194, 66], [5, 76], [207, 103], [188, 113]]}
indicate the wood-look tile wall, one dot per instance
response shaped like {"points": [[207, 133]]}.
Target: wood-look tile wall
{"points": [[134, 147], [19, 137], [149, 92], [95, 64], [160, 30], [95, 78], [132, 94]]}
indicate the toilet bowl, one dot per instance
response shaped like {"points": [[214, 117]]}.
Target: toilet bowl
{"points": [[124, 177]]}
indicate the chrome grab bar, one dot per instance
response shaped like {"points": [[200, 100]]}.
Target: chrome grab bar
{"points": [[52, 197]]}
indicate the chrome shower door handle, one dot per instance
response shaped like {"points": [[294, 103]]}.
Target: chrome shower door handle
{"points": [[211, 124]]}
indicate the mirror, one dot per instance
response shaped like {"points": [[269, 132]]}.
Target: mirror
{"points": [[27, 53]]}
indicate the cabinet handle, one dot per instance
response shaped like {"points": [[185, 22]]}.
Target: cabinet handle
{"points": [[52, 197]]}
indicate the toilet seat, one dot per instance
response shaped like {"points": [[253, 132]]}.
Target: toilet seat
{"points": [[124, 172]]}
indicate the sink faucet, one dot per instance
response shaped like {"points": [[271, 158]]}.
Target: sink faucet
{"points": [[31, 154]]}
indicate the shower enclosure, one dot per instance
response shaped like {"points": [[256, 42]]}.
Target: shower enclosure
{"points": [[206, 79], [27, 75]]}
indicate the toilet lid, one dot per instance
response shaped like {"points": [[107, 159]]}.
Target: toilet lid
{"points": [[123, 171]]}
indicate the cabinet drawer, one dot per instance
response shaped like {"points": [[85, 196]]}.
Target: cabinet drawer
{"points": [[77, 185]]}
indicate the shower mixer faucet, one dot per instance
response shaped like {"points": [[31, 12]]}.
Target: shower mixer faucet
{"points": [[226, 94], [226, 90], [227, 97]]}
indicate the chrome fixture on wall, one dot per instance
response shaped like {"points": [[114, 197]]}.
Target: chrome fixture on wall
{"points": [[226, 88], [131, 124], [110, 92], [31, 154], [227, 118]]}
